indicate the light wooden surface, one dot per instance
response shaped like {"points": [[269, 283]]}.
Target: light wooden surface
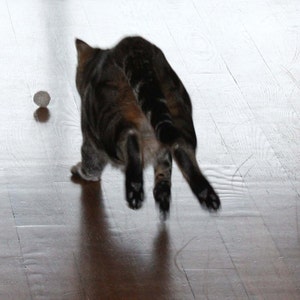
{"points": [[60, 239]]}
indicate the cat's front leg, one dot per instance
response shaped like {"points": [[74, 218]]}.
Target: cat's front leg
{"points": [[92, 164]]}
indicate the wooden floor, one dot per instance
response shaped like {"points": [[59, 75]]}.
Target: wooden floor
{"points": [[62, 239]]}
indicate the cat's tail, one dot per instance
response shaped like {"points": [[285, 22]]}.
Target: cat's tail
{"points": [[186, 160]]}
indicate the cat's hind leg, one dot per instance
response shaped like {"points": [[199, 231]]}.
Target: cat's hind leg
{"points": [[134, 172], [186, 160], [162, 184], [92, 163]]}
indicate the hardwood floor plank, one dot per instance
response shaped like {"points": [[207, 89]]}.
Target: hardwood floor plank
{"points": [[49, 262], [216, 284], [257, 259], [13, 283]]}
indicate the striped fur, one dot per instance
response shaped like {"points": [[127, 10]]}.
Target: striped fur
{"points": [[135, 110]]}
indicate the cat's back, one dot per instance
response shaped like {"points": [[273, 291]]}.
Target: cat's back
{"points": [[135, 47]]}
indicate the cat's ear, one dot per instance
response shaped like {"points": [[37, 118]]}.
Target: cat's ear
{"points": [[84, 51]]}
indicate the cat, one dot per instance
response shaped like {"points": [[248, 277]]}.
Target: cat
{"points": [[134, 111]]}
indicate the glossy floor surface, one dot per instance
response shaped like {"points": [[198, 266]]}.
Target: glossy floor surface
{"points": [[65, 239]]}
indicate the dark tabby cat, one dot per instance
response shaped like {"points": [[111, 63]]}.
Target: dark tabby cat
{"points": [[136, 110]]}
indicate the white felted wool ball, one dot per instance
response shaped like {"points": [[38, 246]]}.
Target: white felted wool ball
{"points": [[41, 98]]}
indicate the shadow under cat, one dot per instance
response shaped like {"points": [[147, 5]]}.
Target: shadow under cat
{"points": [[109, 268]]}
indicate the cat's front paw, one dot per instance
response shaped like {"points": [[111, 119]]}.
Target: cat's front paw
{"points": [[77, 171], [209, 199], [134, 194]]}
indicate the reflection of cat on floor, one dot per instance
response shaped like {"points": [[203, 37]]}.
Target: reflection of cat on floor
{"points": [[135, 110]]}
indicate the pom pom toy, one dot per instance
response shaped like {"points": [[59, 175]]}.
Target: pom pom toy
{"points": [[41, 98]]}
